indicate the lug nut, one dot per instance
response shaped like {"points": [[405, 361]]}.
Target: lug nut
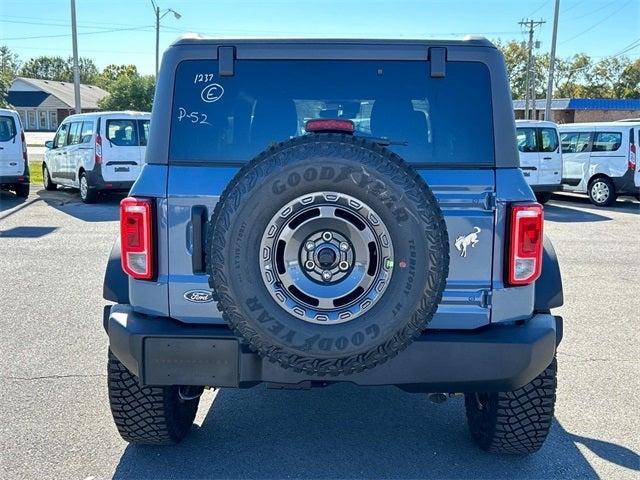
{"points": [[343, 265], [327, 236], [310, 245], [326, 275], [309, 265], [344, 246]]}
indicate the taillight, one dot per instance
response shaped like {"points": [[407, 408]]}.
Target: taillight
{"points": [[525, 243], [632, 156], [136, 237], [329, 125], [24, 146], [98, 148]]}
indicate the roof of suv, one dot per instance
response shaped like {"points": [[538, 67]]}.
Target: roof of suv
{"points": [[469, 40]]}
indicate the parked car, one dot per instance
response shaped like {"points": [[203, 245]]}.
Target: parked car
{"points": [[98, 151], [14, 164], [600, 159], [275, 237], [540, 156]]}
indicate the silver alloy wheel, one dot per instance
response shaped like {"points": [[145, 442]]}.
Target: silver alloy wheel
{"points": [[84, 187], [326, 257], [600, 191]]}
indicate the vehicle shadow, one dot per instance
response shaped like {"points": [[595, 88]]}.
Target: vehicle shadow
{"points": [[557, 212], [349, 432], [622, 204], [9, 200], [66, 200]]}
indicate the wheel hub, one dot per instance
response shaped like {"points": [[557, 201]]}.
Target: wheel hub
{"points": [[326, 257]]}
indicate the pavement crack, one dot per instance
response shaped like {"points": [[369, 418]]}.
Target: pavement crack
{"points": [[52, 377]]}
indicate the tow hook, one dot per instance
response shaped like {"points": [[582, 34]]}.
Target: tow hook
{"points": [[439, 398], [189, 392]]}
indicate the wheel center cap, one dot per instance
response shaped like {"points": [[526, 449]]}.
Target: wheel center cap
{"points": [[326, 257]]}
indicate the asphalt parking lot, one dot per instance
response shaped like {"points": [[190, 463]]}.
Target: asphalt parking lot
{"points": [[54, 414]]}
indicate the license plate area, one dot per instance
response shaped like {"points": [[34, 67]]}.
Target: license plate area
{"points": [[121, 169], [191, 361]]}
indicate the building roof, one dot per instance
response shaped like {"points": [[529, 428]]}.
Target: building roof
{"points": [[584, 104], [62, 91]]}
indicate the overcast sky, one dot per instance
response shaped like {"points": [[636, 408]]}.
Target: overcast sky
{"points": [[122, 31]]}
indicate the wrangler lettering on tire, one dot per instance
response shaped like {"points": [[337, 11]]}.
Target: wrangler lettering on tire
{"points": [[345, 254]]}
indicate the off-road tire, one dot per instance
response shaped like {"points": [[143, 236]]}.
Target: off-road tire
{"points": [[147, 415], [611, 199], [514, 422], [543, 197], [46, 179], [22, 190], [249, 198]]}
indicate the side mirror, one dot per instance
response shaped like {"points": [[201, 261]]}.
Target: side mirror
{"points": [[49, 144]]}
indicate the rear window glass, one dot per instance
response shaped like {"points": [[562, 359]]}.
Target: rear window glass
{"points": [[607, 141], [438, 120], [122, 133], [7, 128]]}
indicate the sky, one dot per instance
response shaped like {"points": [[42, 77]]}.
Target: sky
{"points": [[122, 31]]}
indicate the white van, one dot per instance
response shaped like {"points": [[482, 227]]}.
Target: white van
{"points": [[540, 156], [97, 151], [600, 159], [14, 165]]}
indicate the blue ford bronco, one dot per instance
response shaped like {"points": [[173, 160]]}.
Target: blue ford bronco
{"points": [[323, 211]]}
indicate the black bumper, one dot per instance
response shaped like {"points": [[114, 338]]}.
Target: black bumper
{"points": [[625, 185], [97, 182], [14, 179], [162, 351]]}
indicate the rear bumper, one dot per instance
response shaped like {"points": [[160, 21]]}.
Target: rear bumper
{"points": [[97, 181], [14, 179], [162, 351], [625, 185]]}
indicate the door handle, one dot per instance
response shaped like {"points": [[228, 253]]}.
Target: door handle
{"points": [[546, 158], [198, 220]]}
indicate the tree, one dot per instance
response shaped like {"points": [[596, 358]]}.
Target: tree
{"points": [[112, 72], [130, 93], [59, 69], [628, 84], [9, 65]]}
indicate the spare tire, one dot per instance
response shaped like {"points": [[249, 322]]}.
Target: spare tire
{"points": [[327, 254]]}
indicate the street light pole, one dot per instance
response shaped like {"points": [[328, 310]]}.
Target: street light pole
{"points": [[552, 61], [159, 16], [76, 71]]}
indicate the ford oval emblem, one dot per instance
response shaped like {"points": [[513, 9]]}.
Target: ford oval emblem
{"points": [[199, 296]]}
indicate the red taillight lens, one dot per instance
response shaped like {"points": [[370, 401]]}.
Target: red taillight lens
{"points": [[136, 237], [329, 125], [632, 156], [525, 243], [98, 148], [24, 146]]}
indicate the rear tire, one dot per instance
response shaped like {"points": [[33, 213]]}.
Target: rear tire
{"points": [[602, 192], [46, 179], [514, 422], [22, 190], [147, 415], [86, 194], [543, 197]]}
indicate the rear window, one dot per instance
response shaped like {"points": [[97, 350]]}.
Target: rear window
{"points": [[7, 128], [438, 120], [122, 133]]}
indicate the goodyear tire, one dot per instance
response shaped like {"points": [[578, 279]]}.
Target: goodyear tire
{"points": [[327, 254]]}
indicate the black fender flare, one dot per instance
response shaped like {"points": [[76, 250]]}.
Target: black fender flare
{"points": [[548, 288], [116, 282]]}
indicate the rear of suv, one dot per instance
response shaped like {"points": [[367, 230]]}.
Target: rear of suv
{"points": [[311, 212], [14, 163]]}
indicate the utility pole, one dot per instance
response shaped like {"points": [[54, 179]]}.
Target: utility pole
{"points": [[531, 24], [159, 16], [76, 71], [552, 61]]}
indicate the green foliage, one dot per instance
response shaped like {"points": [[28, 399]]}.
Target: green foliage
{"points": [[9, 65], [129, 93], [59, 69], [112, 72], [577, 76]]}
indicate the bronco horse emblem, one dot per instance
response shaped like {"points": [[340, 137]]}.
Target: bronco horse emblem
{"points": [[465, 241]]}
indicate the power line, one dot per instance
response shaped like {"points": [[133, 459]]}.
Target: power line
{"points": [[591, 12], [544, 4], [596, 24], [81, 33]]}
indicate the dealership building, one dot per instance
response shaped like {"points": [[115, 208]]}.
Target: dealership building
{"points": [[580, 110]]}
